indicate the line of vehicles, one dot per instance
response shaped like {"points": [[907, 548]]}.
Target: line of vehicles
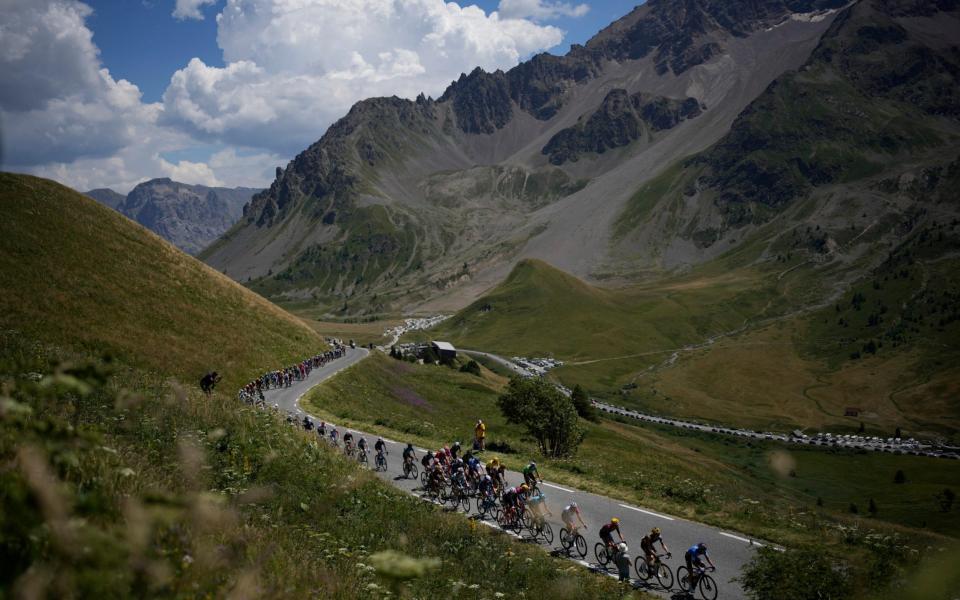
{"points": [[876, 444]]}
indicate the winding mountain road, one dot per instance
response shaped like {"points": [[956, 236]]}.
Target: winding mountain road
{"points": [[729, 550]]}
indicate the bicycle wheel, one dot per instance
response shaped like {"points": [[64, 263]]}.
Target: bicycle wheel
{"points": [[683, 578], [481, 506], [707, 587], [600, 553], [465, 502], [527, 519], [565, 540], [423, 479], [580, 545], [547, 533], [641, 567], [664, 576]]}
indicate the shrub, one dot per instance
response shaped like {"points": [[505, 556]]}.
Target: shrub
{"points": [[797, 573], [472, 367], [549, 416], [582, 403]]}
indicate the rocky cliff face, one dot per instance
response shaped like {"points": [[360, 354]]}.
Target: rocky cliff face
{"points": [[621, 119], [403, 201], [189, 216]]}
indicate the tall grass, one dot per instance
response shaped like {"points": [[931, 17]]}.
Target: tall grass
{"points": [[116, 483]]}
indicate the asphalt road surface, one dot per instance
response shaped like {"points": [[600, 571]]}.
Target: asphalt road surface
{"points": [[729, 550]]}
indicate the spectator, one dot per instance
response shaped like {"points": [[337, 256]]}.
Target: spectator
{"points": [[480, 435]]}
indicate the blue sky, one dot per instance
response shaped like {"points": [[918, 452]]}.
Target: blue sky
{"points": [[109, 93]]}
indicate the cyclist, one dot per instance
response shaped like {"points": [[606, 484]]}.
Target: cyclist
{"points": [[427, 460], [348, 443], [409, 454], [436, 479], [531, 475], [485, 486], [334, 436], [381, 447], [538, 505], [495, 469], [473, 468], [606, 533], [512, 499], [455, 449], [646, 544], [307, 423], [692, 558], [569, 512], [362, 448], [322, 429], [457, 476]]}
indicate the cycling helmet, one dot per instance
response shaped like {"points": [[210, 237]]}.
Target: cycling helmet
{"points": [[574, 505], [525, 487], [622, 546], [615, 520], [533, 464], [702, 546], [655, 531]]}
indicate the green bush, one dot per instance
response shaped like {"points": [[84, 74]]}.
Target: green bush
{"points": [[549, 416], [794, 574], [472, 367]]}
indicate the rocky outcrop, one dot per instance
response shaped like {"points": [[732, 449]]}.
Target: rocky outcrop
{"points": [[621, 119], [189, 216], [831, 121]]}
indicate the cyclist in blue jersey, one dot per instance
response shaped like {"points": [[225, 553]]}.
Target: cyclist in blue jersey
{"points": [[692, 558]]}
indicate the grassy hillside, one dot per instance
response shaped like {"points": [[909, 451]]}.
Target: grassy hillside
{"points": [[79, 275], [117, 482], [680, 345], [539, 310]]}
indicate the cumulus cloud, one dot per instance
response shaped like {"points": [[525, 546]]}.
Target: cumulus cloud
{"points": [[540, 10], [186, 171], [56, 100], [295, 66], [190, 9]]}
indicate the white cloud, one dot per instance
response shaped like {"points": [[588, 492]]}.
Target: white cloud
{"points": [[295, 66], [190, 9], [56, 101], [540, 10], [196, 173]]}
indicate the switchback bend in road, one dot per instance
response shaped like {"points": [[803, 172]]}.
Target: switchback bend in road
{"points": [[729, 550]]}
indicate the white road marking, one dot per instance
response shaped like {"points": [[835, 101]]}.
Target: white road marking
{"points": [[647, 512], [741, 539], [557, 487]]}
